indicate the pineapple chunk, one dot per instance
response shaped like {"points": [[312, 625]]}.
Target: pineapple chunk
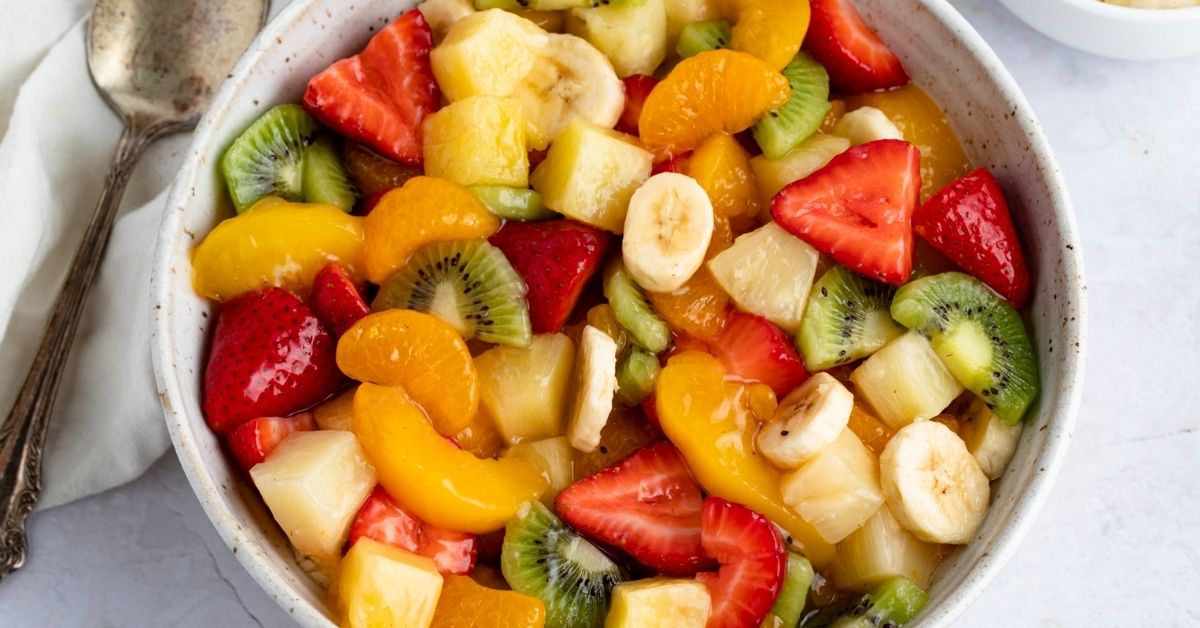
{"points": [[768, 272], [591, 173], [989, 439], [525, 389], [335, 414], [659, 603], [313, 483], [479, 140], [881, 549], [837, 491], [443, 14], [381, 585], [680, 13], [905, 381], [632, 36], [810, 156], [553, 457], [489, 52]]}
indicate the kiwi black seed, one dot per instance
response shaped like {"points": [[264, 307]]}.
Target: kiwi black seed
{"points": [[979, 336], [847, 318], [703, 36], [782, 130], [632, 311], [469, 284], [543, 558], [891, 604]]}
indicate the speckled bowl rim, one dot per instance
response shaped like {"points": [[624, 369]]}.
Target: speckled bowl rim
{"points": [[169, 375]]}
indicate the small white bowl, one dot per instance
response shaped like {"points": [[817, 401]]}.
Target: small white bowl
{"points": [[943, 54], [1112, 30]]}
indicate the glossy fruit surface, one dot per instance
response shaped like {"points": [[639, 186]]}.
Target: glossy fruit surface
{"points": [[380, 585], [255, 439], [873, 433], [626, 431], [380, 518], [637, 89], [336, 300], [421, 353], [465, 604], [771, 30], [700, 308], [753, 563], [478, 140], [374, 173], [753, 349], [722, 167], [856, 58]]}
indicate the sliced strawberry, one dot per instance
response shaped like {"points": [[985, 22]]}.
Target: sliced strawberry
{"points": [[858, 208], [856, 58], [381, 519], [255, 439], [270, 356], [380, 96], [637, 89], [753, 564], [969, 221], [678, 163], [336, 300], [648, 505], [754, 349], [556, 259]]}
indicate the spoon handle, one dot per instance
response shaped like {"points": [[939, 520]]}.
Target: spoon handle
{"points": [[23, 433]]}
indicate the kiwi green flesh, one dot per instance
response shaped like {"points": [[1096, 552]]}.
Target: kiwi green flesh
{"points": [[980, 338], [847, 318], [633, 312], [325, 180], [541, 557], [793, 595], [636, 375], [469, 284], [893, 603], [783, 129], [267, 158], [512, 203], [702, 36]]}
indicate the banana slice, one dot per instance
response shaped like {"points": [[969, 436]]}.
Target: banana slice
{"points": [[570, 78], [866, 124], [596, 383], [442, 14], [992, 441], [933, 485], [667, 231], [807, 421]]}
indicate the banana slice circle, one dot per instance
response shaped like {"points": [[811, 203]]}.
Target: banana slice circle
{"points": [[807, 421], [667, 231], [933, 485], [569, 78]]}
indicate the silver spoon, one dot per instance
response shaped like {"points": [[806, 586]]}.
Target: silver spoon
{"points": [[157, 64]]}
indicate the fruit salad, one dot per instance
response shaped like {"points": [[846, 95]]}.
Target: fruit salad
{"points": [[634, 313]]}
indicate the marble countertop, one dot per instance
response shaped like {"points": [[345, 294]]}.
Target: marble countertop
{"points": [[1119, 540]]}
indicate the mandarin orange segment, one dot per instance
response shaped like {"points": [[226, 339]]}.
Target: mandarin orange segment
{"points": [[481, 437], [871, 431], [421, 353], [722, 167], [424, 211], [924, 125], [467, 604], [771, 30], [700, 308], [712, 92]]}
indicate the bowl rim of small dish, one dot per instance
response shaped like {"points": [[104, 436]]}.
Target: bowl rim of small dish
{"points": [[169, 375]]}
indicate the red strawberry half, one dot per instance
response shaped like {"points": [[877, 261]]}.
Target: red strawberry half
{"points": [[380, 96], [556, 259], [858, 208], [753, 564], [856, 58], [648, 505], [336, 300], [270, 356], [255, 439], [969, 221], [752, 348], [637, 89], [381, 519]]}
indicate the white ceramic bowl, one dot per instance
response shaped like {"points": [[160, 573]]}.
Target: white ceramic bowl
{"points": [[943, 54], [1114, 31]]}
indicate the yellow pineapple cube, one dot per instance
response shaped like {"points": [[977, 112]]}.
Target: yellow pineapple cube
{"points": [[479, 140], [335, 413], [385, 586], [837, 491], [659, 603], [906, 381], [553, 457], [524, 390], [489, 52], [632, 36], [811, 155], [881, 549], [591, 173]]}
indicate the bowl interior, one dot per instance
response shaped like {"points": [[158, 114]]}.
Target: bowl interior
{"points": [[943, 54]]}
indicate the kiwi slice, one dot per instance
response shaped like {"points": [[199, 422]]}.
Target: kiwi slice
{"points": [[325, 180], [783, 129], [543, 558], [699, 37], [469, 284], [847, 318], [893, 603], [512, 203], [979, 337], [633, 312], [636, 375], [789, 606]]}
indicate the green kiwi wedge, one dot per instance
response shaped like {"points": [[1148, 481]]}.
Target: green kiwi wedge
{"points": [[789, 606], [847, 318], [893, 603], [272, 158], [979, 337], [512, 203], [703, 36], [469, 284], [633, 312], [543, 558], [637, 373], [782, 130]]}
